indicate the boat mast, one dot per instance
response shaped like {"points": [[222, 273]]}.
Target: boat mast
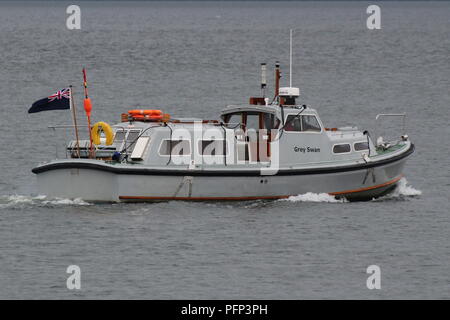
{"points": [[88, 109], [290, 59], [287, 95]]}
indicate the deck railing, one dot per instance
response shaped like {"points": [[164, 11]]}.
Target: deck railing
{"points": [[65, 141]]}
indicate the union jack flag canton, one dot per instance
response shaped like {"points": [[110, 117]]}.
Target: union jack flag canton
{"points": [[64, 93]]}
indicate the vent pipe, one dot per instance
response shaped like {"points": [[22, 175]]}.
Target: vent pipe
{"points": [[277, 78], [263, 79]]}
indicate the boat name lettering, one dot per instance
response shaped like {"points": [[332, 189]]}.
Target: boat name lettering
{"points": [[306, 149]]}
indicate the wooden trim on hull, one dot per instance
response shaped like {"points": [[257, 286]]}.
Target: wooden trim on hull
{"points": [[387, 184], [368, 188]]}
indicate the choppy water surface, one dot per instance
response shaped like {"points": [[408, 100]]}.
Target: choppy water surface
{"points": [[191, 59]]}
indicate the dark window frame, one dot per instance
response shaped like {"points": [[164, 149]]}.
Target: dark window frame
{"points": [[201, 147], [366, 148], [166, 153], [341, 145], [299, 118]]}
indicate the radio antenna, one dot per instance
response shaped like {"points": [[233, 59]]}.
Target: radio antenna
{"points": [[290, 59]]}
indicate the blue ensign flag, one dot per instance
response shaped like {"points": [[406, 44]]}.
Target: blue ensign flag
{"points": [[58, 101]]}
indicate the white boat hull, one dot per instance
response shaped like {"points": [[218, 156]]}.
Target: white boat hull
{"points": [[78, 180]]}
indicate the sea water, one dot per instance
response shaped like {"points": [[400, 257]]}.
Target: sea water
{"points": [[190, 60]]}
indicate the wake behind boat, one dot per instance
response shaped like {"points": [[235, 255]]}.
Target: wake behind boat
{"points": [[266, 149]]}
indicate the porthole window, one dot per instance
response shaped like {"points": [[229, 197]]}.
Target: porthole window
{"points": [[360, 146], [341, 148], [175, 147], [211, 147]]}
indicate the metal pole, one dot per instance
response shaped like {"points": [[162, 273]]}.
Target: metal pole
{"points": [[263, 79], [277, 79], [290, 59], [75, 121], [88, 108]]}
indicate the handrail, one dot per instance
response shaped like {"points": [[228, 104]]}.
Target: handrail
{"points": [[66, 126], [65, 137], [403, 115]]}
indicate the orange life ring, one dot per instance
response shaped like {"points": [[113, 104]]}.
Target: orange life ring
{"points": [[147, 117], [145, 112]]}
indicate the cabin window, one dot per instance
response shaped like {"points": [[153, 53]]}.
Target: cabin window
{"points": [[302, 123], [233, 120], [175, 147], [132, 137], [360, 146], [293, 123], [119, 137], [252, 121], [270, 121], [310, 124], [341, 148], [211, 147]]}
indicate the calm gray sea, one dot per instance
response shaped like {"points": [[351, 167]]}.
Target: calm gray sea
{"points": [[192, 59]]}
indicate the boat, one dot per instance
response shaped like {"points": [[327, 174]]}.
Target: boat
{"points": [[268, 148]]}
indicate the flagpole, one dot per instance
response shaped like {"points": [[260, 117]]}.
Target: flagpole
{"points": [[72, 104], [87, 108]]}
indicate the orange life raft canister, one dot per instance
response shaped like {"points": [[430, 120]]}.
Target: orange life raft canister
{"points": [[140, 114], [145, 112]]}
